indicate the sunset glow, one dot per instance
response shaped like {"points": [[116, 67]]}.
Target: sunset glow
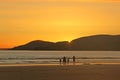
{"points": [[22, 21]]}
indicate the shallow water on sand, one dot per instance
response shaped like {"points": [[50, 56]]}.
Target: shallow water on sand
{"points": [[48, 57]]}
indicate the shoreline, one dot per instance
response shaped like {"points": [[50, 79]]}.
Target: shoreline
{"points": [[70, 64]]}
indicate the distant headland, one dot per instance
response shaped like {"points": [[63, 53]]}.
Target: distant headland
{"points": [[95, 42]]}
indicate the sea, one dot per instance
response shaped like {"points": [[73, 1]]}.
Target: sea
{"points": [[54, 57]]}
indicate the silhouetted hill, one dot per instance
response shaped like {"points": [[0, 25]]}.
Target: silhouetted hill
{"points": [[4, 48], [36, 45], [96, 42], [64, 45], [43, 45]]}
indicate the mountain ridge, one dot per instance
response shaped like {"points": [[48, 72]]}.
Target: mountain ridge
{"points": [[94, 42]]}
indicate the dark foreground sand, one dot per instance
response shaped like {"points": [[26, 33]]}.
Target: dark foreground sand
{"points": [[57, 72]]}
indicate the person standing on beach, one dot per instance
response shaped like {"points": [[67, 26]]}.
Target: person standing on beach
{"points": [[74, 59], [60, 60], [64, 59], [68, 60]]}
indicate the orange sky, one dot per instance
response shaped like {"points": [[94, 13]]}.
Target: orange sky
{"points": [[22, 21]]}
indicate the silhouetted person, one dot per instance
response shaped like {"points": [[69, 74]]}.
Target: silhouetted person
{"points": [[74, 59], [68, 60], [64, 59], [60, 60]]}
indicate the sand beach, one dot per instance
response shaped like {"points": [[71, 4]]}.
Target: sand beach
{"points": [[60, 72]]}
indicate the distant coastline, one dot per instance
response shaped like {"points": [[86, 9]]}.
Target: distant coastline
{"points": [[89, 43]]}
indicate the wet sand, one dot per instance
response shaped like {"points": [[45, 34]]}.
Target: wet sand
{"points": [[60, 72]]}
